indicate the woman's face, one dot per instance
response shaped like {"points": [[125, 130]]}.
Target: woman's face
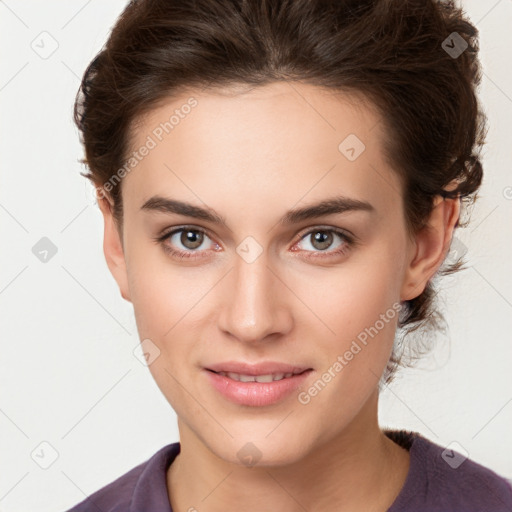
{"points": [[318, 291]]}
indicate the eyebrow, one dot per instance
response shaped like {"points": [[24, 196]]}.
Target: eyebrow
{"points": [[334, 205]]}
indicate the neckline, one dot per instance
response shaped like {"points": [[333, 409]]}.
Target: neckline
{"points": [[409, 440], [415, 479]]}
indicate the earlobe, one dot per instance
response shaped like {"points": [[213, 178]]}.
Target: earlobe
{"points": [[431, 246], [113, 248]]}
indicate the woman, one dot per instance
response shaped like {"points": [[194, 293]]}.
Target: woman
{"points": [[280, 183]]}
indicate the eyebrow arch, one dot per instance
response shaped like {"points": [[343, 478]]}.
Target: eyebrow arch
{"points": [[339, 204]]}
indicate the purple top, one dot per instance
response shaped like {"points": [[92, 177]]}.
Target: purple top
{"points": [[439, 480]]}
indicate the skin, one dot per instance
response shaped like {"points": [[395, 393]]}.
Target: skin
{"points": [[251, 157]]}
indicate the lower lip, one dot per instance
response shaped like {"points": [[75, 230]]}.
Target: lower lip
{"points": [[256, 394]]}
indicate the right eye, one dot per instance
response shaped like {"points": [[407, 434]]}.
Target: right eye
{"points": [[189, 237]]}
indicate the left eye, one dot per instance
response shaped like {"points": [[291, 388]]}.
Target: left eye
{"points": [[322, 239]]}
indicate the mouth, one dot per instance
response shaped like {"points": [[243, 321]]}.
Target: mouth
{"points": [[256, 385]]}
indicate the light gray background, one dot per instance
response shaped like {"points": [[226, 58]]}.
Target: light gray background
{"points": [[68, 373]]}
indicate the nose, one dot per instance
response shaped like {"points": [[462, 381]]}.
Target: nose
{"points": [[254, 306]]}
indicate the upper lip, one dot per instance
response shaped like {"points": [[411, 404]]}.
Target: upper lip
{"points": [[263, 368]]}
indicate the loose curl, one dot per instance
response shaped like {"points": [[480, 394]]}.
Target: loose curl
{"points": [[390, 51]]}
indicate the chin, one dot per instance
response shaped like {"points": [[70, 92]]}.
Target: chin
{"points": [[259, 448]]}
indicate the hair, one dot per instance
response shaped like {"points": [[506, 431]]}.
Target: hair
{"points": [[393, 53]]}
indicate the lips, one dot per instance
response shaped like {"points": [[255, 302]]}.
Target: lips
{"points": [[259, 384]]}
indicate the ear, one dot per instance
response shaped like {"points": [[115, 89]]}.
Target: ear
{"points": [[113, 247], [431, 244]]}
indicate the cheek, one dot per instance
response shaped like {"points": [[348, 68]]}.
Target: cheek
{"points": [[164, 310], [163, 306], [158, 296], [360, 304], [353, 296], [171, 304]]}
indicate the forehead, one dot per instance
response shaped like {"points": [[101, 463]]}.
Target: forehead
{"points": [[281, 140]]}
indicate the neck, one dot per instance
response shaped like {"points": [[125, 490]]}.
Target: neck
{"points": [[361, 469]]}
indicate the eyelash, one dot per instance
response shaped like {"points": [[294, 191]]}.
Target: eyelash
{"points": [[349, 242]]}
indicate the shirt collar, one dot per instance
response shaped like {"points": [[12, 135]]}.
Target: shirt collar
{"points": [[150, 492]]}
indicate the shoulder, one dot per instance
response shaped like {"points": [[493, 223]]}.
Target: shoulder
{"points": [[145, 483], [441, 478]]}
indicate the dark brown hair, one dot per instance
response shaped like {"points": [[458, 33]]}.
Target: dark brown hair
{"points": [[414, 60]]}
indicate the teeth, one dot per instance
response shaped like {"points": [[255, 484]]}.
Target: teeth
{"points": [[270, 377]]}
